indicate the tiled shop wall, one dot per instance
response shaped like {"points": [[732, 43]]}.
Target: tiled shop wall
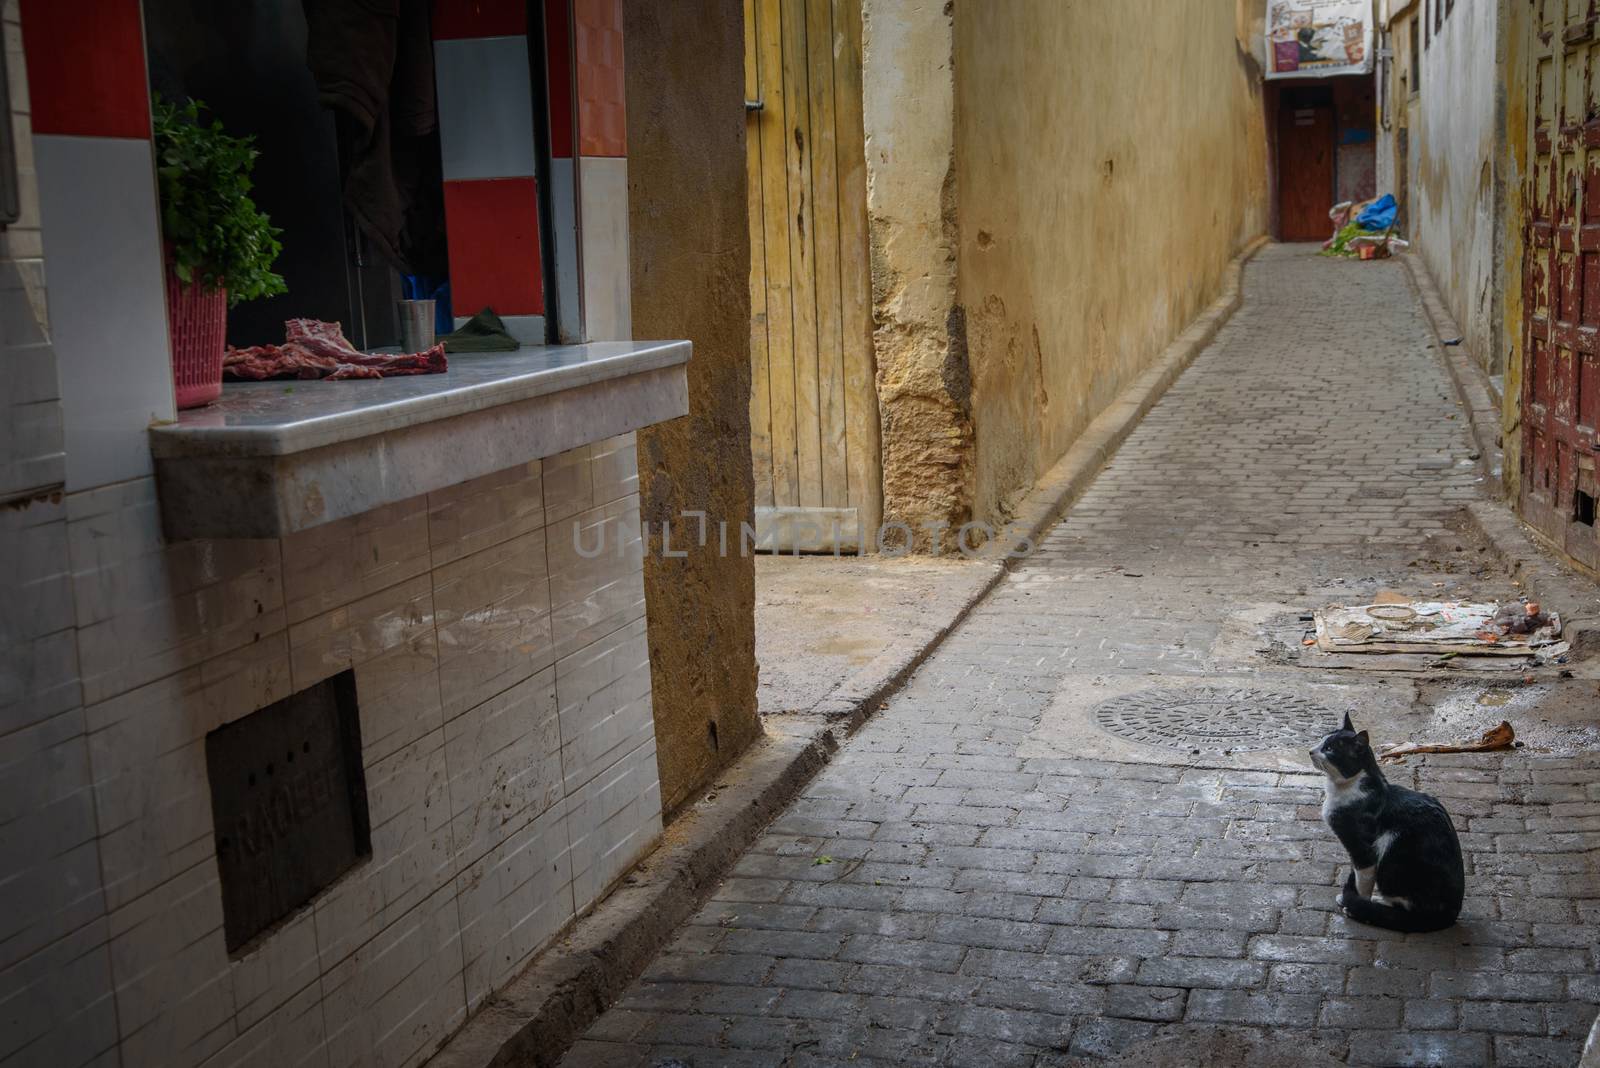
{"points": [[34, 460], [508, 748], [503, 676], [55, 972]]}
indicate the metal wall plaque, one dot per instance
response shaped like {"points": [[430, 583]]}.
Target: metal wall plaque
{"points": [[289, 801]]}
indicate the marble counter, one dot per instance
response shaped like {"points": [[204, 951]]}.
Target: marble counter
{"points": [[271, 458]]}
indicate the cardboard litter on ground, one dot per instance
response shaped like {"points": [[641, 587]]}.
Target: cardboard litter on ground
{"points": [[1426, 627]]}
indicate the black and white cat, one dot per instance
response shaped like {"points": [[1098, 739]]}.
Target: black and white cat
{"points": [[1408, 873]]}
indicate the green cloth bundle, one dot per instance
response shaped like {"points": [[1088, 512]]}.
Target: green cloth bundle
{"points": [[484, 332]]}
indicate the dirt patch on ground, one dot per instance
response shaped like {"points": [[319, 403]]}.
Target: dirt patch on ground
{"points": [[822, 621]]}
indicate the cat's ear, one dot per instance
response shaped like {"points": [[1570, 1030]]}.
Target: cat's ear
{"points": [[1362, 738], [1347, 725]]}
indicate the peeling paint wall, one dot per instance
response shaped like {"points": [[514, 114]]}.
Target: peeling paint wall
{"points": [[1453, 172], [689, 243], [920, 342], [1516, 19], [1110, 159]]}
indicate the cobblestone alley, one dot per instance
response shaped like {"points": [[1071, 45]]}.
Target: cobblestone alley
{"points": [[1046, 849]]}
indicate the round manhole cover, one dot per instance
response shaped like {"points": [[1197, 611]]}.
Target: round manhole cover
{"points": [[1216, 718]]}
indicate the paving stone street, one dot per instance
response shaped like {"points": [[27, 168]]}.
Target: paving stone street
{"points": [[990, 873]]}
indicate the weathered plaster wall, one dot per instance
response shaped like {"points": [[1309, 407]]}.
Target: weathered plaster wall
{"points": [[1452, 198], [1515, 39], [919, 333], [690, 263], [1391, 97], [1110, 159]]}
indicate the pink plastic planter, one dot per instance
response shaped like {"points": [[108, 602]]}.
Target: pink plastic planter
{"points": [[198, 324]]}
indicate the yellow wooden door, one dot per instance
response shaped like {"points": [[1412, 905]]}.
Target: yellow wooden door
{"points": [[813, 403]]}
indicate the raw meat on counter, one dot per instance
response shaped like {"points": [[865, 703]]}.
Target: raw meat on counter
{"points": [[315, 349]]}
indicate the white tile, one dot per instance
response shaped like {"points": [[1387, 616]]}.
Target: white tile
{"points": [[341, 562], [107, 301], [38, 679], [614, 820], [49, 855], [513, 901], [32, 445], [146, 608], [473, 515], [35, 571], [398, 996], [147, 749], [604, 695], [593, 595], [276, 969], [175, 1001], [389, 639], [504, 758], [485, 107], [603, 238], [412, 855], [32, 434], [291, 1036], [568, 484], [616, 468], [38, 647], [58, 1007], [493, 618]]}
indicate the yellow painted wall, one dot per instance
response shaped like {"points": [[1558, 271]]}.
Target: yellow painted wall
{"points": [[1110, 160]]}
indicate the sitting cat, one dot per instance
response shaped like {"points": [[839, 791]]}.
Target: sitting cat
{"points": [[1408, 873]]}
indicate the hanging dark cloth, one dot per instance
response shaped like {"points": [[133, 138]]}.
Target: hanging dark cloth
{"points": [[373, 64]]}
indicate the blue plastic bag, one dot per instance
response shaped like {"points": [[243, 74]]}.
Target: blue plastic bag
{"points": [[1380, 214]]}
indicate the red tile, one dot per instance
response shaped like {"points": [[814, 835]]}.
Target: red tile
{"points": [[492, 226], [558, 53], [598, 53], [86, 74], [454, 19]]}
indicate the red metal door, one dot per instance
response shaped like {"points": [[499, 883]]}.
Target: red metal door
{"points": [[1561, 282], [1305, 169]]}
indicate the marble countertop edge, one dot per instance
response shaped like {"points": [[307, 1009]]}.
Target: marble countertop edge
{"points": [[284, 417]]}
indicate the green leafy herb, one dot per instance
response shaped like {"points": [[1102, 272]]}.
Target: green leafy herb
{"points": [[1341, 240], [217, 237]]}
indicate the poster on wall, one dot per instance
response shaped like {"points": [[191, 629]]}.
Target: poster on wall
{"points": [[1318, 38]]}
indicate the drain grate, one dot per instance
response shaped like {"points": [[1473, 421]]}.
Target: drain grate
{"points": [[1216, 719]]}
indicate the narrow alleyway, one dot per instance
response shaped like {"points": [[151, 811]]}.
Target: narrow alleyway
{"points": [[1010, 866]]}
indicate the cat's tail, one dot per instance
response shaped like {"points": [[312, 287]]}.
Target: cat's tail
{"points": [[1378, 914]]}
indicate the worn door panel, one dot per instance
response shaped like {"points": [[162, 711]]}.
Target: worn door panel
{"points": [[1305, 169], [1561, 279], [813, 404]]}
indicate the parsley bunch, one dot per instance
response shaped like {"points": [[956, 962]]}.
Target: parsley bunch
{"points": [[216, 236]]}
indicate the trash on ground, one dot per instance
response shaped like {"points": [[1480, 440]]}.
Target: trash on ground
{"points": [[1499, 737], [1480, 628], [1364, 229]]}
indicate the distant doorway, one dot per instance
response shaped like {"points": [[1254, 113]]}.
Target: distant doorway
{"points": [[1305, 162]]}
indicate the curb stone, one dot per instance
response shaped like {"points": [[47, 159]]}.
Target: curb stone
{"points": [[1473, 389], [537, 1017]]}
